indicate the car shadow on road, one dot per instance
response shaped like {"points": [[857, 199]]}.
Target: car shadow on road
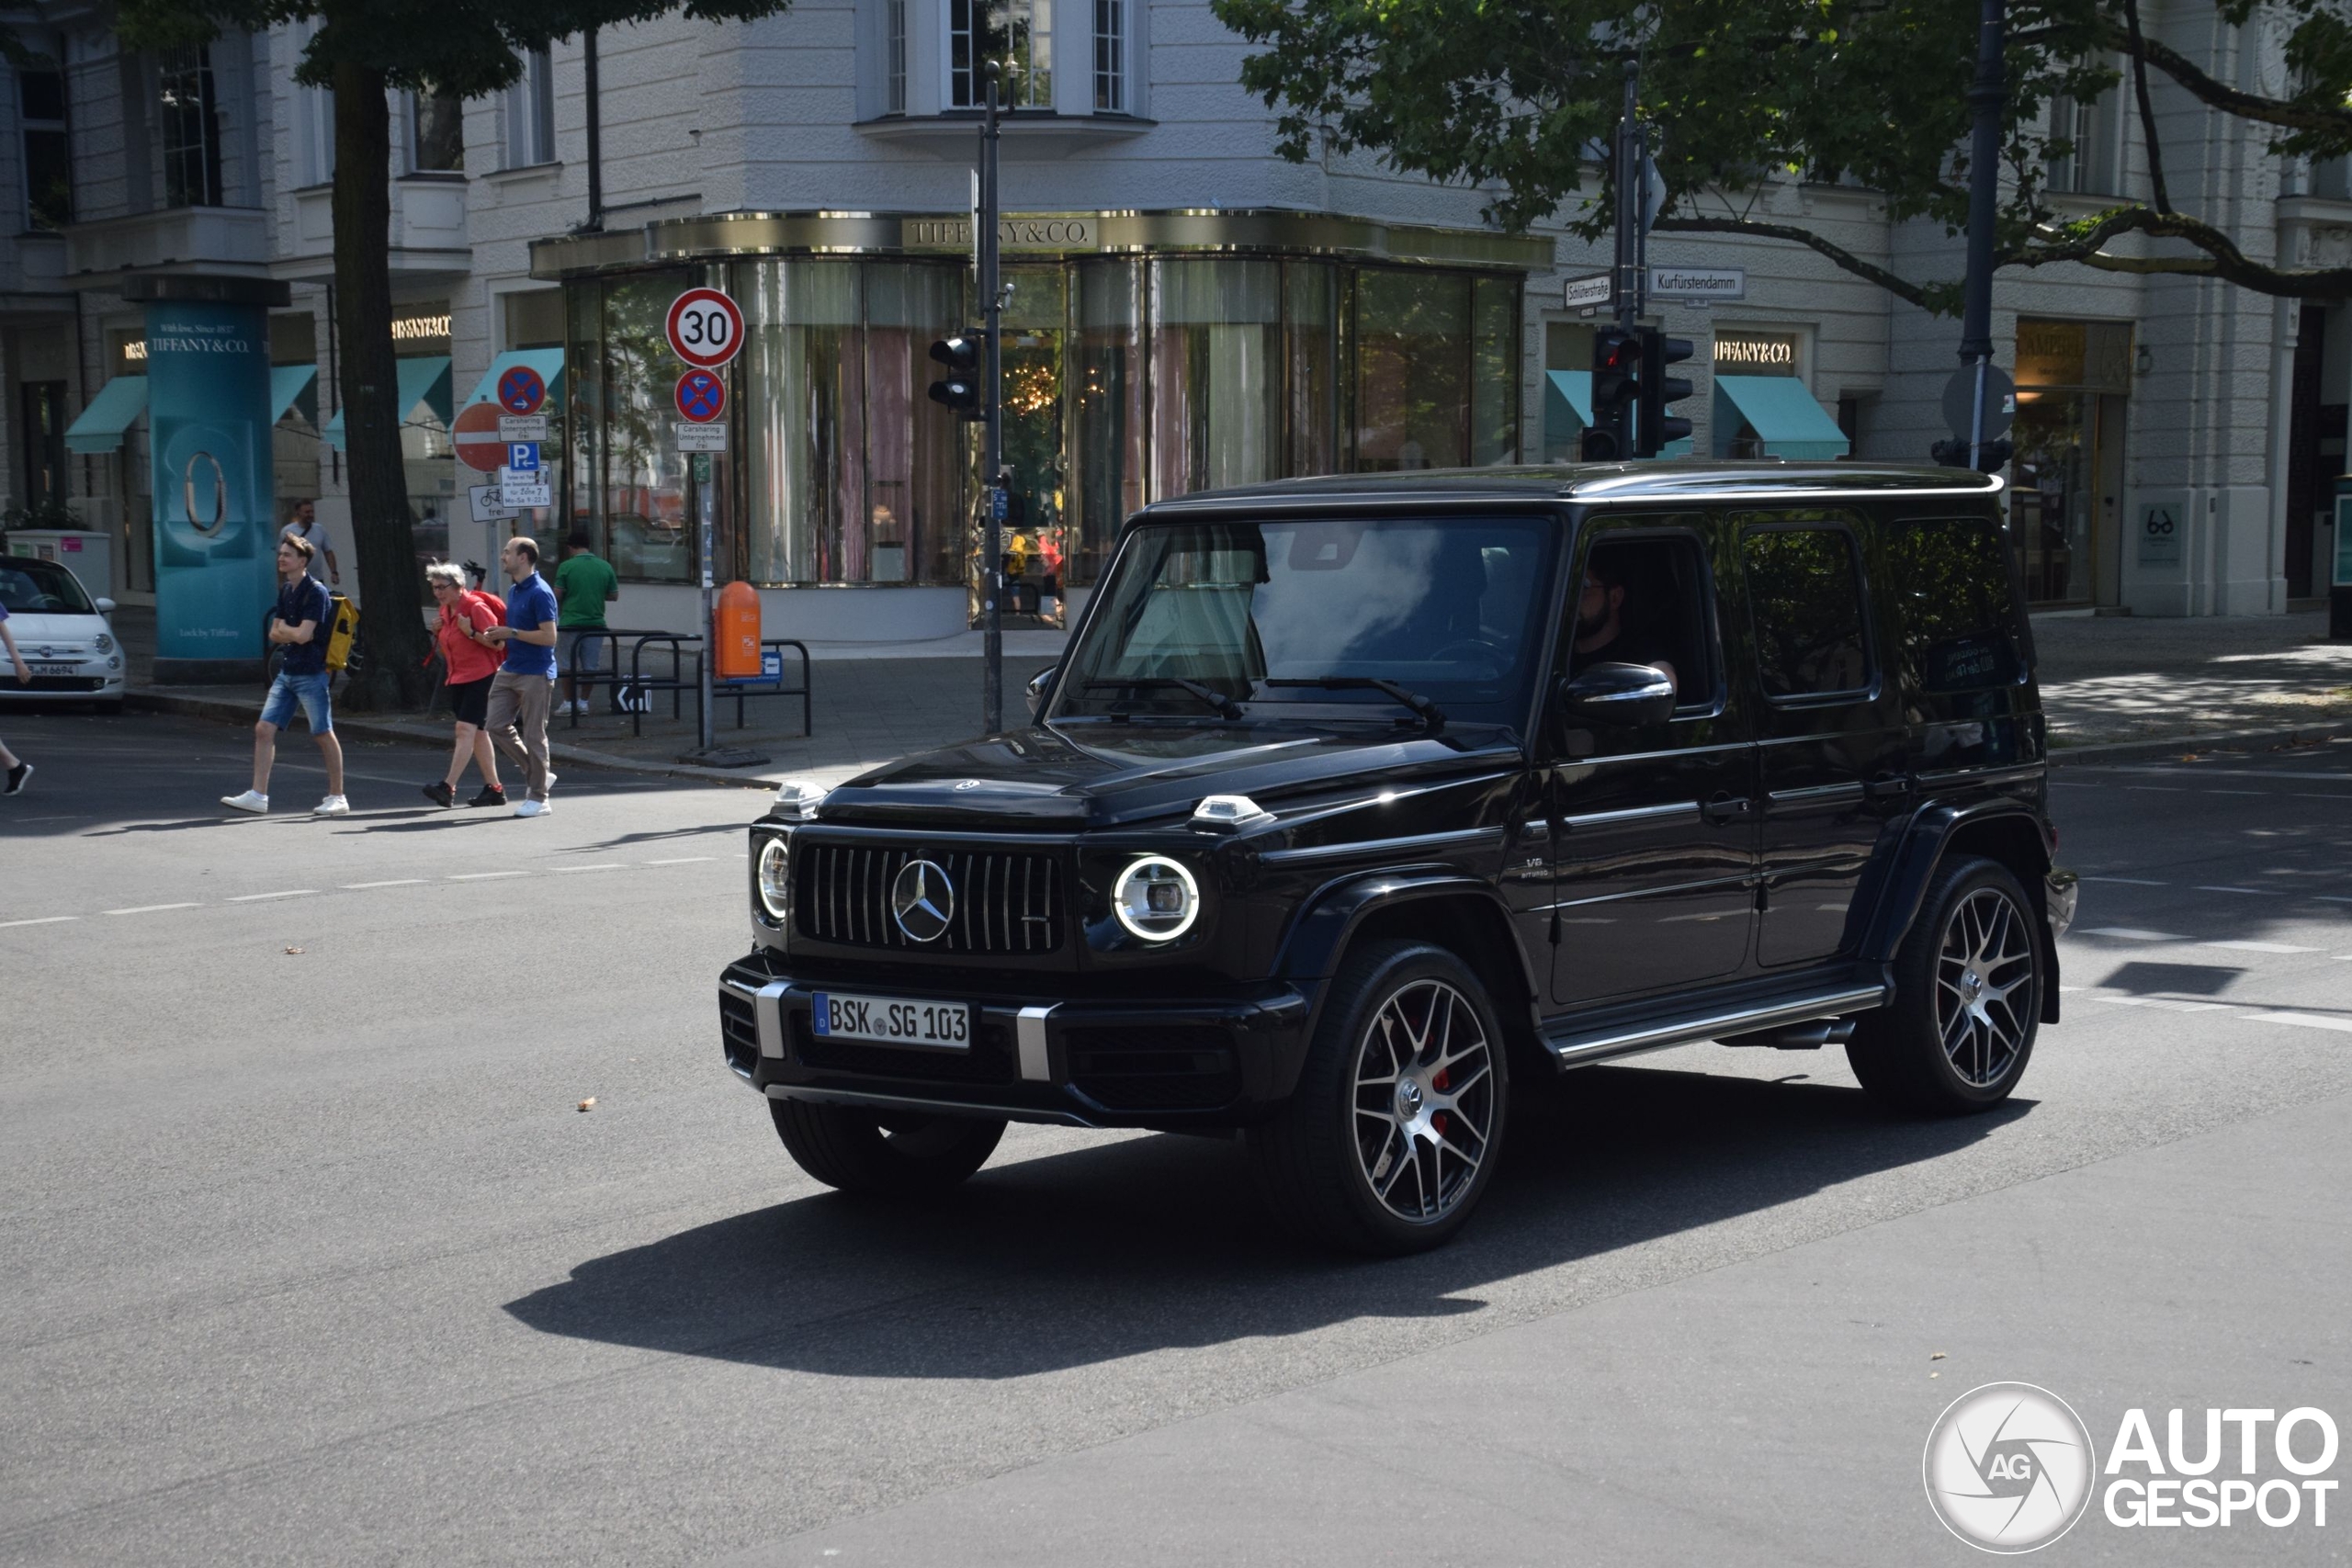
{"points": [[1150, 1244]]}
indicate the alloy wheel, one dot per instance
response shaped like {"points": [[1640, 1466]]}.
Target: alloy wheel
{"points": [[1424, 1099], [1984, 984]]}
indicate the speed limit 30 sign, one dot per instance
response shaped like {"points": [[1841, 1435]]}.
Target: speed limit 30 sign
{"points": [[706, 328]]}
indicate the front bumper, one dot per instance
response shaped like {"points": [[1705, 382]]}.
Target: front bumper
{"points": [[90, 679], [1197, 1062]]}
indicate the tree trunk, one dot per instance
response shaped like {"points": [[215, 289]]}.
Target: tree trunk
{"points": [[393, 643]]}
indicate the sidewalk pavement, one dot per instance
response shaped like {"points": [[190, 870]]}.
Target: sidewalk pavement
{"points": [[2105, 681]]}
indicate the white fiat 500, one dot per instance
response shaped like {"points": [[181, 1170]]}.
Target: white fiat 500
{"points": [[63, 637]]}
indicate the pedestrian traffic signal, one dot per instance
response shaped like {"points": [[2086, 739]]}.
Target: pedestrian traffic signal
{"points": [[960, 389], [1615, 359], [1654, 428]]}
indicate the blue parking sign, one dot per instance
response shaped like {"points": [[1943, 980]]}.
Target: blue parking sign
{"points": [[523, 457]]}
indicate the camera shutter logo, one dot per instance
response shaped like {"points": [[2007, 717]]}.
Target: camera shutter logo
{"points": [[923, 901], [2008, 1467]]}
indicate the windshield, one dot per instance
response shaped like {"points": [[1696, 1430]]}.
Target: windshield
{"points": [[41, 587], [1200, 616]]}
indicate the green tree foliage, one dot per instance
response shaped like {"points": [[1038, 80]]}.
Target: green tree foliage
{"points": [[1520, 96], [363, 50]]}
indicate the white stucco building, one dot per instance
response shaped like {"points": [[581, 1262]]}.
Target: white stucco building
{"points": [[1187, 309]]}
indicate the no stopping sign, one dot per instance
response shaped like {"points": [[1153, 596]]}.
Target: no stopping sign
{"points": [[706, 328]]}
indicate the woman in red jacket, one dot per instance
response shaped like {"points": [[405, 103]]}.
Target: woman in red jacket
{"points": [[465, 613]]}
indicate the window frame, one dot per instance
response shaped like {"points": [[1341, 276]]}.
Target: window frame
{"points": [[193, 63], [526, 113], [30, 126], [1692, 528], [1744, 526], [1113, 42]]}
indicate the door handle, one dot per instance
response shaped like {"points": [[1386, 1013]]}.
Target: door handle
{"points": [[1726, 809], [1887, 788]]}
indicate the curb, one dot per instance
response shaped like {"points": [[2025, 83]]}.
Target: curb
{"points": [[140, 699], [2234, 740]]}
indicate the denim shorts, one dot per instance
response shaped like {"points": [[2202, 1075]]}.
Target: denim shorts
{"points": [[308, 691], [574, 654]]}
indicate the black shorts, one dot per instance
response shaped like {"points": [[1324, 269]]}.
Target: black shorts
{"points": [[469, 701]]}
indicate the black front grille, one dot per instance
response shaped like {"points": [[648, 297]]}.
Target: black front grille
{"points": [[738, 1029], [1146, 1068], [990, 1060], [1006, 901]]}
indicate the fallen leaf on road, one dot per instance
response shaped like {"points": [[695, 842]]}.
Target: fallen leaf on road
{"points": [[1936, 1356], [293, 950], [589, 1103]]}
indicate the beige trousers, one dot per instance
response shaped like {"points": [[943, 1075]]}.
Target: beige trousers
{"points": [[519, 725]]}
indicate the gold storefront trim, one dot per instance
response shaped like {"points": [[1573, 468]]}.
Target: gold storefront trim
{"points": [[724, 236]]}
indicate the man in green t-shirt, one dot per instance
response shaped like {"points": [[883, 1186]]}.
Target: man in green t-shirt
{"points": [[584, 584]]}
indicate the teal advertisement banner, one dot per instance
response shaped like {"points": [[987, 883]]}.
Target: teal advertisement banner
{"points": [[207, 409]]}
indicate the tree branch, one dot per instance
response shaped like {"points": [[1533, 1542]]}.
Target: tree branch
{"points": [[2147, 111], [2221, 259], [2325, 120], [1929, 297]]}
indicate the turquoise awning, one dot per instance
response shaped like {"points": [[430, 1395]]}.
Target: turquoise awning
{"points": [[287, 384], [1781, 412], [423, 381], [101, 425], [1573, 388], [1567, 410], [547, 362]]}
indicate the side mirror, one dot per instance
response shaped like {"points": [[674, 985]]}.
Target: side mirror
{"points": [[105, 606], [1621, 695], [1039, 684]]}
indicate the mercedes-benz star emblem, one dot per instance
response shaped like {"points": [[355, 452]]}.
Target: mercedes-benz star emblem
{"points": [[923, 901]]}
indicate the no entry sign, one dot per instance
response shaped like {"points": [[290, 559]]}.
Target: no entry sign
{"points": [[705, 328], [520, 390], [476, 436], [701, 396]]}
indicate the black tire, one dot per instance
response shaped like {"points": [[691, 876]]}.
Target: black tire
{"points": [[1901, 1051], [892, 1155], [1314, 1160]]}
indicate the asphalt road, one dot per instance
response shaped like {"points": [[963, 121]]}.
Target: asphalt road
{"points": [[310, 1257]]}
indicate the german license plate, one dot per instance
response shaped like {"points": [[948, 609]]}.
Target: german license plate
{"points": [[892, 1020], [40, 668]]}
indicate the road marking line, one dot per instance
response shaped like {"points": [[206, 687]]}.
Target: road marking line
{"points": [[2129, 881], [2130, 933], [2309, 795], [2259, 946], [2331, 898], [2155, 789], [684, 860], [2168, 1004], [44, 921], [256, 898], [2237, 792], [153, 908], [608, 865], [2304, 1020], [396, 881], [2258, 892], [485, 876]]}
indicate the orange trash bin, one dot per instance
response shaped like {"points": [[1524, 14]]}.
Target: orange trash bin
{"points": [[736, 638]]}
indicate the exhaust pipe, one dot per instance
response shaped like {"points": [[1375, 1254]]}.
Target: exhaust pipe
{"points": [[1809, 1036]]}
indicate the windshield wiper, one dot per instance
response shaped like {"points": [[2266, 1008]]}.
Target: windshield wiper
{"points": [[1428, 711], [1226, 707]]}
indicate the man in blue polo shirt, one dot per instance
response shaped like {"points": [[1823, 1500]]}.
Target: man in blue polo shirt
{"points": [[298, 625], [522, 691]]}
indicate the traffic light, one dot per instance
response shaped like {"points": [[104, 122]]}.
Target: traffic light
{"points": [[1654, 428], [960, 389], [1615, 358]]}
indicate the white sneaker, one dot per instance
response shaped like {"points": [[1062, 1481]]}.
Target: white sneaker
{"points": [[333, 806], [533, 809], [252, 800]]}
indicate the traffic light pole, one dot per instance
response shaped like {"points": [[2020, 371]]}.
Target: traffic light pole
{"points": [[992, 502], [1983, 176]]}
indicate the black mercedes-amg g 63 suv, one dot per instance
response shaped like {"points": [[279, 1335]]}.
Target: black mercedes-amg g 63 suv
{"points": [[1353, 800]]}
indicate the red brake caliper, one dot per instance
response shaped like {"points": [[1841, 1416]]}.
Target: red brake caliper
{"points": [[1437, 1122]]}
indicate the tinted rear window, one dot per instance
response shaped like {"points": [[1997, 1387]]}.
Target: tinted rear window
{"points": [[1959, 628], [1805, 593]]}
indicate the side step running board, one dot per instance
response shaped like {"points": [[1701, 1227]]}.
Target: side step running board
{"points": [[1575, 1049]]}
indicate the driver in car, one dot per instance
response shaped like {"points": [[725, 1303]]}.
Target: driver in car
{"points": [[1602, 636]]}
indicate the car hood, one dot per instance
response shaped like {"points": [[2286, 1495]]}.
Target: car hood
{"points": [[37, 626], [1100, 774]]}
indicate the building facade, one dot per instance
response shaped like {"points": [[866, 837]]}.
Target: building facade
{"points": [[1184, 308]]}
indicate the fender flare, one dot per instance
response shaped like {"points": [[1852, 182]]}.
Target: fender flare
{"points": [[1328, 920], [1911, 862]]}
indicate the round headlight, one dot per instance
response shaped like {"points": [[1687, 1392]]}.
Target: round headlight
{"points": [[1156, 898], [103, 643], [775, 877]]}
